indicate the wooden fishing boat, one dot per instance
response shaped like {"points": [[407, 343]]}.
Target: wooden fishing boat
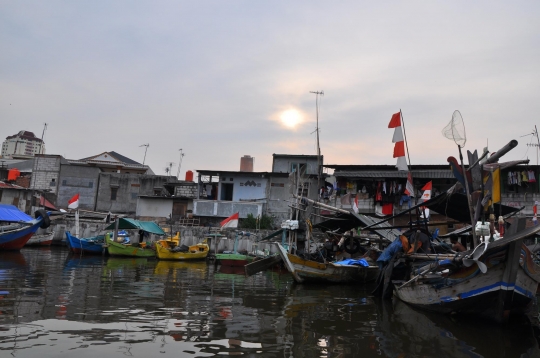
{"points": [[235, 258], [41, 240], [497, 279], [171, 249], [89, 245], [127, 249], [313, 271], [116, 245], [16, 227]]}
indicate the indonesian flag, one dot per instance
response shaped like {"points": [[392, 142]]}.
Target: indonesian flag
{"points": [[231, 221], [425, 197], [355, 204], [409, 188], [399, 146], [73, 203]]}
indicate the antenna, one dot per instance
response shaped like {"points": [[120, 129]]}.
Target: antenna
{"points": [[179, 163], [317, 94], [168, 168], [537, 144], [145, 145], [42, 135]]}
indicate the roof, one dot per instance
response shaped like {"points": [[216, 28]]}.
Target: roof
{"points": [[25, 135], [220, 172], [344, 222], [132, 224], [390, 171], [115, 155], [4, 185]]}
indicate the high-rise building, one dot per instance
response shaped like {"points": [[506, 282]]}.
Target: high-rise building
{"points": [[22, 144]]}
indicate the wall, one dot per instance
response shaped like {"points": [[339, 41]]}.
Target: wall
{"points": [[129, 187], [17, 197], [244, 187], [186, 190], [45, 174], [79, 179], [279, 194], [227, 208], [284, 164], [161, 208]]}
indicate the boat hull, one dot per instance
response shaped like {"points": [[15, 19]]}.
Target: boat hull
{"points": [[16, 239], [236, 260], [195, 252], [312, 271], [507, 287], [84, 245], [40, 240], [118, 249]]}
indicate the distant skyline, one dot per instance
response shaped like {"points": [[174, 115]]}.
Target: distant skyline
{"points": [[221, 80]]}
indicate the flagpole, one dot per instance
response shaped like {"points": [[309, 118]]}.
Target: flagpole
{"points": [[407, 148]]}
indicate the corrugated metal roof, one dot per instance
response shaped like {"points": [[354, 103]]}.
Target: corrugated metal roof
{"points": [[421, 174]]}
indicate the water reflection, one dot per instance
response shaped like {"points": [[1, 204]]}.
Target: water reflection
{"points": [[55, 304]]}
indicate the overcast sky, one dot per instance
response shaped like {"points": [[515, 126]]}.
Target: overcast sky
{"points": [[223, 79]]}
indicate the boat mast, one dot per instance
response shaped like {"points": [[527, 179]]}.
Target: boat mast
{"points": [[319, 164]]}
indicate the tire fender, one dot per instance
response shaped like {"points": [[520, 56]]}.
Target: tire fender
{"points": [[46, 219]]}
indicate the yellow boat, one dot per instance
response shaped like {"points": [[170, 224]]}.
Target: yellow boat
{"points": [[168, 250]]}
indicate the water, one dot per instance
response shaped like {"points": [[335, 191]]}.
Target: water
{"points": [[54, 304]]}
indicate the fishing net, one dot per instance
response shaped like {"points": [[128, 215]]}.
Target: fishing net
{"points": [[455, 130]]}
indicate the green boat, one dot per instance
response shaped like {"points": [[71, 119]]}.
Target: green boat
{"points": [[141, 249]]}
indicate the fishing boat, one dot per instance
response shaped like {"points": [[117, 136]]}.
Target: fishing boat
{"points": [[237, 259], [16, 227], [93, 245], [494, 280], [170, 249], [41, 240], [349, 271], [117, 246]]}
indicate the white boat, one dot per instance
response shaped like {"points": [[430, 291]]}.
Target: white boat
{"points": [[41, 240]]}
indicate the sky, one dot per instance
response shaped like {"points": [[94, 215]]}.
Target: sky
{"points": [[217, 80]]}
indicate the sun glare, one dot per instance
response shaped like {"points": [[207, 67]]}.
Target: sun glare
{"points": [[290, 118]]}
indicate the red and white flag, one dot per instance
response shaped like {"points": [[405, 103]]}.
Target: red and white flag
{"points": [[73, 203], [425, 197], [409, 188], [355, 204], [231, 221], [399, 146]]}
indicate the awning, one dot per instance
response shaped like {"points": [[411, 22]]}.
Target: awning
{"points": [[10, 213], [132, 224]]}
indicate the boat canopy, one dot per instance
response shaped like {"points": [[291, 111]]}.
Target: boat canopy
{"points": [[132, 224], [10, 213]]}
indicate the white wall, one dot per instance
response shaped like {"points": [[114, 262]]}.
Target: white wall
{"points": [[154, 207]]}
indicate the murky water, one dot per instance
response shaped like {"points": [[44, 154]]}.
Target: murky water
{"points": [[54, 304]]}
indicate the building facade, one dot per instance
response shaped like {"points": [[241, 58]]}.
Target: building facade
{"points": [[22, 144]]}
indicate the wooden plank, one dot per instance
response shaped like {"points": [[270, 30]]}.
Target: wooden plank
{"points": [[261, 265]]}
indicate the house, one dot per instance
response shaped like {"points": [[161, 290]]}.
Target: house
{"points": [[223, 193]]}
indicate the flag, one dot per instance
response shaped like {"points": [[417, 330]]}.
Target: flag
{"points": [[409, 188], [425, 197], [231, 221], [73, 203], [399, 146], [355, 204]]}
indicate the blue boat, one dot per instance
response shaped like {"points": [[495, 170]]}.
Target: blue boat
{"points": [[16, 227], [88, 245]]}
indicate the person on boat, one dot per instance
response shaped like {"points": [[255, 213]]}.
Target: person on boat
{"points": [[420, 242], [456, 245]]}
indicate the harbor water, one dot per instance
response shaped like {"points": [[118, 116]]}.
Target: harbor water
{"points": [[55, 304]]}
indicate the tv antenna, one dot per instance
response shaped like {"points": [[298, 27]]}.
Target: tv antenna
{"points": [[145, 145], [180, 163], [168, 168], [537, 144]]}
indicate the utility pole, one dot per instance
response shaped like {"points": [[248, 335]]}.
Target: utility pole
{"points": [[42, 135], [319, 164], [145, 145], [180, 164]]}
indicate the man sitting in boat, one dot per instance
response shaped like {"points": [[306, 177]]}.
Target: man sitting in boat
{"points": [[456, 245], [420, 242]]}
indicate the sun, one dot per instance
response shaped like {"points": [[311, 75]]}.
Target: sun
{"points": [[291, 118]]}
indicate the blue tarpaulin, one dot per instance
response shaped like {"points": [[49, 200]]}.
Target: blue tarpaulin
{"points": [[359, 262], [10, 213]]}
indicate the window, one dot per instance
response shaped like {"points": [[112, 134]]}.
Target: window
{"points": [[134, 196], [91, 184], [64, 182], [114, 191]]}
